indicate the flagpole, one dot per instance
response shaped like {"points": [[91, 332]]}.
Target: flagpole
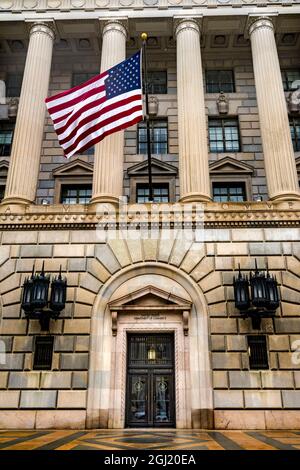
{"points": [[144, 37]]}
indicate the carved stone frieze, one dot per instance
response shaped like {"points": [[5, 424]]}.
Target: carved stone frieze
{"points": [[211, 215]]}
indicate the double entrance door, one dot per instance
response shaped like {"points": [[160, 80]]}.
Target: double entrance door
{"points": [[150, 397]]}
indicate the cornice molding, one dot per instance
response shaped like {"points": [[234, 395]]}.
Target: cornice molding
{"points": [[212, 215]]}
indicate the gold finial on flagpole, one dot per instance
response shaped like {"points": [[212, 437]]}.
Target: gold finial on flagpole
{"points": [[144, 36]]}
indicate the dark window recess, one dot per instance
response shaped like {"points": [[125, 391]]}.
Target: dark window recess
{"points": [[158, 137], [157, 83], [43, 352], [160, 192], [224, 135], [76, 194], [219, 80], [295, 132], [289, 77], [79, 78], [2, 191], [13, 84], [6, 137], [258, 354], [229, 192]]}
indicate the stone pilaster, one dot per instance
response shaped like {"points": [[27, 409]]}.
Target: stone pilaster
{"points": [[277, 145], [109, 153], [27, 142], [192, 133]]}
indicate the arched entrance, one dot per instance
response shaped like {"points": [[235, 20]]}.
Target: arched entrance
{"points": [[171, 297]]}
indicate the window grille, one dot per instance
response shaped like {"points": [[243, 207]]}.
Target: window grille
{"points": [[257, 350], [43, 352]]}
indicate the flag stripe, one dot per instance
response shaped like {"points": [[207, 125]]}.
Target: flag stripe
{"points": [[96, 139], [88, 117], [77, 90], [98, 126]]}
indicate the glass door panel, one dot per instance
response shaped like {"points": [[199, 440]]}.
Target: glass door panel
{"points": [[138, 399]]}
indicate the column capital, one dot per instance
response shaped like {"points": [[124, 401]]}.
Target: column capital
{"points": [[184, 23], [42, 26], [256, 22], [119, 25]]}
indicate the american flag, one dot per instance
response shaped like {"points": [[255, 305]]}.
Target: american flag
{"points": [[107, 103]]}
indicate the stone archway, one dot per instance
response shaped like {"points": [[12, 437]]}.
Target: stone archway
{"points": [[103, 400]]}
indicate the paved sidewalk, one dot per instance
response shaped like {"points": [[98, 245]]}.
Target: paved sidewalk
{"points": [[149, 440]]}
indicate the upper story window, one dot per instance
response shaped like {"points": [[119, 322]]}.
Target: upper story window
{"points": [[219, 80], [78, 78], [76, 193], [295, 132], [229, 192], [6, 137], [224, 135], [158, 137], [13, 84], [161, 192], [289, 76], [157, 82]]}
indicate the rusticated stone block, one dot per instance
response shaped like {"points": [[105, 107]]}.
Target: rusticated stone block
{"points": [[36, 251], [23, 343], [244, 379], [79, 326], [78, 361], [291, 398], [220, 379], [226, 360], [60, 419], [80, 380], [84, 296], [232, 249], [239, 234], [54, 236], [82, 343], [236, 343], [215, 295], [287, 325], [218, 343], [64, 343], [3, 380], [9, 399], [13, 362], [21, 237], [228, 399], [211, 281], [205, 267], [24, 380], [104, 254], [68, 251], [82, 310], [38, 399], [223, 325], [71, 399], [56, 380], [288, 360], [263, 399], [90, 282], [277, 379], [279, 343]]}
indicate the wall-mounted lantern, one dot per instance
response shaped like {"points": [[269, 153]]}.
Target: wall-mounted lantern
{"points": [[36, 293], [257, 297]]}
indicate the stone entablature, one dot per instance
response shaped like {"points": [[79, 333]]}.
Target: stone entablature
{"points": [[41, 6], [147, 216]]}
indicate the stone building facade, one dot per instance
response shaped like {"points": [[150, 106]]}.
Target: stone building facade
{"points": [[225, 169]]}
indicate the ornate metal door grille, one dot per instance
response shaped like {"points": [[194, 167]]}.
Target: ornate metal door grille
{"points": [[150, 398]]}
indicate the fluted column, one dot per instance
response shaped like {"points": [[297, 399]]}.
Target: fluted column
{"points": [[277, 145], [27, 142], [192, 133], [109, 153]]}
